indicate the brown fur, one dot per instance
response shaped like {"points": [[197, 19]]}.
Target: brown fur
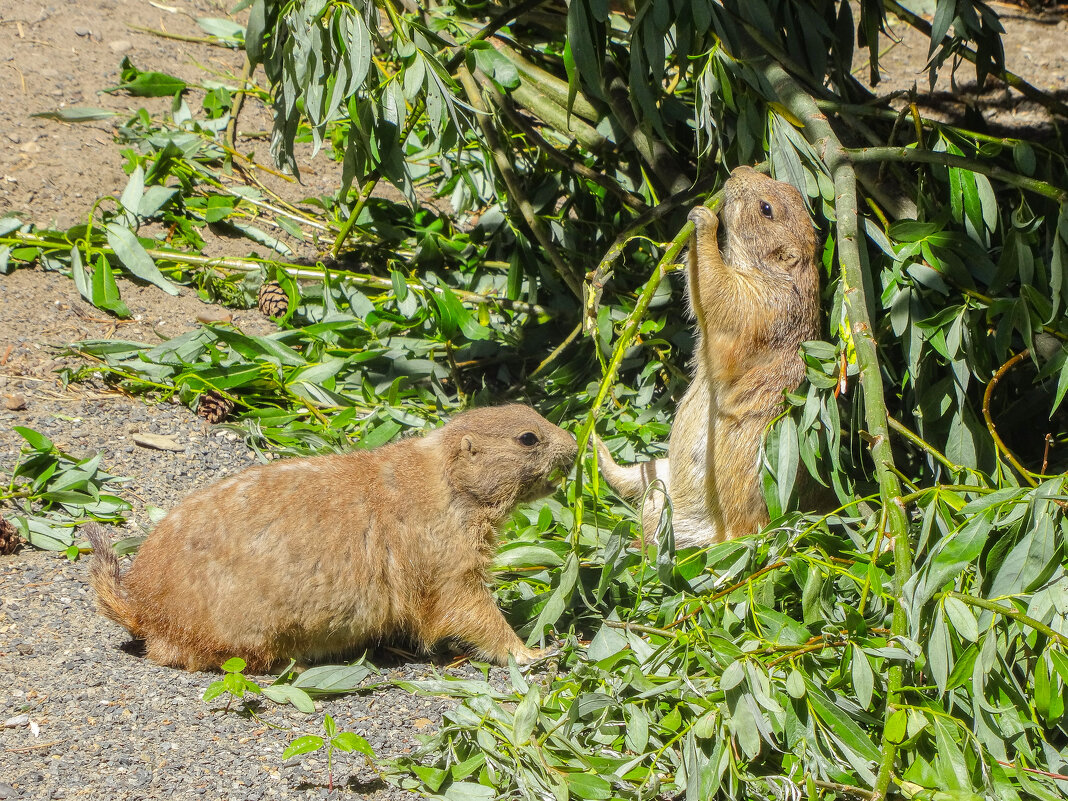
{"points": [[307, 558], [754, 304]]}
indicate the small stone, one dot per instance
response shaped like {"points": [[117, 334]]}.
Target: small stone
{"points": [[14, 403], [80, 31], [14, 137], [7, 791], [120, 45]]}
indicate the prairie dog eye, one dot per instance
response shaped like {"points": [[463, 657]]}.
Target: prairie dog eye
{"points": [[765, 209], [528, 438]]}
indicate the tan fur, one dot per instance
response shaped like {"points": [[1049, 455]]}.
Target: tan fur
{"points": [[754, 304], [309, 558]]}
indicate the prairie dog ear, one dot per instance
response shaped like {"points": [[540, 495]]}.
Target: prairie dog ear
{"points": [[467, 446]]}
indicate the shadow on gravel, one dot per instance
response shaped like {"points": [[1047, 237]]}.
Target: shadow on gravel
{"points": [[354, 784]]}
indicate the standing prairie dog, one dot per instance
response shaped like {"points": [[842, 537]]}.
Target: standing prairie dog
{"points": [[755, 303], [309, 558]]}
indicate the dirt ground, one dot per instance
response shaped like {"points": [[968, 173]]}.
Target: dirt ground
{"points": [[107, 724]]}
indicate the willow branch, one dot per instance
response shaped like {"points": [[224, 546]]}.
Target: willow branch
{"points": [[630, 328], [914, 155], [598, 277], [515, 194], [573, 165], [249, 265], [858, 305], [1011, 612]]}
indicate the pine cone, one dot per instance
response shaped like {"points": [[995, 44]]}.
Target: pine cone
{"points": [[273, 300], [9, 537], [214, 407]]}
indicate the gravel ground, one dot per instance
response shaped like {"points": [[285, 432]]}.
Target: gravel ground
{"points": [[101, 721]]}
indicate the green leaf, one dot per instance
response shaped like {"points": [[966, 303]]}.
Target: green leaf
{"points": [[286, 693], [960, 615], [939, 652], [349, 741], [104, 290], [303, 745], [469, 791], [588, 786], [146, 84], [526, 716], [554, 607], [135, 258], [895, 727], [76, 114], [214, 690], [795, 684], [233, 665], [863, 677], [37, 441], [732, 676], [222, 28], [332, 679]]}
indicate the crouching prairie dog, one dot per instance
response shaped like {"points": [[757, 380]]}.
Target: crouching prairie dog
{"points": [[755, 302], [310, 558]]}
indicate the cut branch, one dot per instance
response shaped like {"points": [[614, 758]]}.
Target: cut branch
{"points": [[865, 154], [858, 307]]}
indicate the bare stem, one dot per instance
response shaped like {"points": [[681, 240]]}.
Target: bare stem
{"points": [[988, 393]]}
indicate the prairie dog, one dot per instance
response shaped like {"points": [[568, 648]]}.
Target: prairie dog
{"points": [[308, 558], [755, 303]]}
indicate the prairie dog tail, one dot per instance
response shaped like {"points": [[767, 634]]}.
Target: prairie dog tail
{"points": [[106, 580], [634, 480]]}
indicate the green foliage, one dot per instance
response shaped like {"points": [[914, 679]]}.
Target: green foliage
{"points": [[288, 687], [234, 683], [761, 664], [53, 492]]}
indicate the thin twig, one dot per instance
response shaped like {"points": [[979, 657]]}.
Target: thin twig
{"points": [[208, 40], [622, 624], [238, 103], [988, 393], [557, 351]]}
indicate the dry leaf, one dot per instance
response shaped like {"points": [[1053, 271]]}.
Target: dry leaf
{"points": [[157, 441]]}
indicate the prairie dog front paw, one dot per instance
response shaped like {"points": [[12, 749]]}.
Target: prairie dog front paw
{"points": [[703, 218]]}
